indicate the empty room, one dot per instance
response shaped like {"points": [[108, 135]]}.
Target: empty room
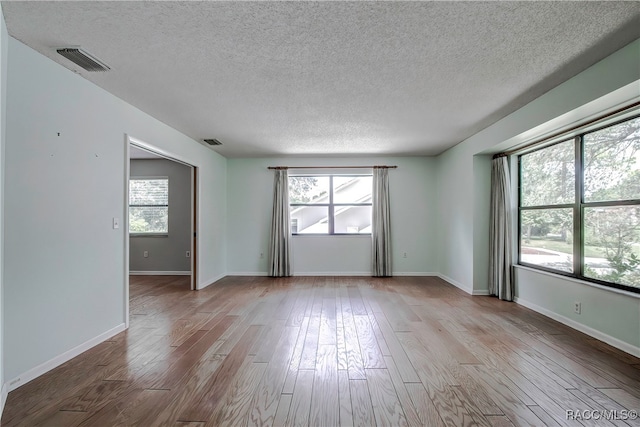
{"points": [[319, 213]]}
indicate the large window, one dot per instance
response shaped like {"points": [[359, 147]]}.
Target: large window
{"points": [[580, 206], [330, 204], [149, 206]]}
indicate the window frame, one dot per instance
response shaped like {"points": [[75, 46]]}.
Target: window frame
{"points": [[148, 233], [578, 206], [331, 206]]}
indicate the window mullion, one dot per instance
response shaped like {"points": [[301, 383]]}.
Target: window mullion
{"points": [[578, 229], [331, 210], [519, 242]]}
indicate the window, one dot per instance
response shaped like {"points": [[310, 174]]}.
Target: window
{"points": [[149, 205], [330, 204], [579, 209]]}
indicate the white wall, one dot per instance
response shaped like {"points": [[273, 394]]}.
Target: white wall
{"points": [[463, 194], [3, 102], [413, 216], [166, 254], [64, 263]]}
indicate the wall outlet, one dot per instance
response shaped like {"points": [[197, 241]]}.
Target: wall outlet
{"points": [[577, 307], [261, 255], [146, 254], [116, 223], [404, 255], [188, 254]]}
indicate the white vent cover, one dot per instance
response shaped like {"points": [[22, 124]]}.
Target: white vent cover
{"points": [[212, 141], [83, 59]]}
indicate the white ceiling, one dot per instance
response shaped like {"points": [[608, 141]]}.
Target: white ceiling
{"points": [[329, 78]]}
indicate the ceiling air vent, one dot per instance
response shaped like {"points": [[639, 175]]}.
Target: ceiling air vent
{"points": [[83, 59], [212, 141]]}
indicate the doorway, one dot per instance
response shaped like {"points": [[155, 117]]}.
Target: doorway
{"points": [[161, 222]]}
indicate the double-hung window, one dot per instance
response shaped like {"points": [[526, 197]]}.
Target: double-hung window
{"points": [[579, 210], [330, 204], [149, 206]]}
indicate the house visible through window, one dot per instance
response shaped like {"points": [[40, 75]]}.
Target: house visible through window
{"points": [[580, 206], [149, 205], [330, 204]]}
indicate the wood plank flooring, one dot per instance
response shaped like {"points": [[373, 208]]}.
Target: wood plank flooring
{"points": [[332, 351]]}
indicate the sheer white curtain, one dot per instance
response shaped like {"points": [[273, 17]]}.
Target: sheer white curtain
{"points": [[381, 223], [280, 245], [500, 280]]}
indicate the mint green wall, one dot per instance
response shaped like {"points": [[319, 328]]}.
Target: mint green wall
{"points": [[413, 215], [463, 194], [64, 263], [3, 103]]}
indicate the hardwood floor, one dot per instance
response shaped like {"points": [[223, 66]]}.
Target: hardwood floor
{"points": [[329, 351]]}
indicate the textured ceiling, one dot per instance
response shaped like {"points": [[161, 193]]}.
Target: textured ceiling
{"points": [[329, 78]]}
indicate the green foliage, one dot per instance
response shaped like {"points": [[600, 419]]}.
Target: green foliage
{"points": [[625, 269], [306, 189], [299, 188], [611, 163], [138, 225], [548, 175]]}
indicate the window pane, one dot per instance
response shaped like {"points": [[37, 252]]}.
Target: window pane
{"points": [[309, 219], [149, 191], [352, 219], [612, 244], [309, 189], [546, 238], [548, 175], [148, 219], [612, 163], [352, 189]]}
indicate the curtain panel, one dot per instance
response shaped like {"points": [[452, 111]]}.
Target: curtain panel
{"points": [[500, 249], [280, 244], [381, 223]]}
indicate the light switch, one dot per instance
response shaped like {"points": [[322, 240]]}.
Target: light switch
{"points": [[116, 223]]}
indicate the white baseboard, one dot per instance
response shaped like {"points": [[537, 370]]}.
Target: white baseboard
{"points": [[455, 283], [160, 273], [615, 342], [210, 282], [415, 273], [248, 273], [332, 273], [482, 292], [45, 367], [3, 397], [304, 273]]}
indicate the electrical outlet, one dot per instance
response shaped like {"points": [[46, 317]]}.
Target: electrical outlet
{"points": [[188, 254], [116, 223], [146, 254], [404, 255], [577, 307], [261, 255]]}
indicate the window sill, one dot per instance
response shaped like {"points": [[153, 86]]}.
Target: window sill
{"points": [[331, 235], [580, 281], [148, 234]]}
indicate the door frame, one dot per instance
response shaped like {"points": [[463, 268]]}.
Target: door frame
{"points": [[195, 214]]}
